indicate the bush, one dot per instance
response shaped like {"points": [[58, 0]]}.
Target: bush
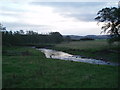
{"points": [[86, 39], [44, 46], [114, 39]]}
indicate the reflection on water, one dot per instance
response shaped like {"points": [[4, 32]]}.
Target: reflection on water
{"points": [[49, 53]]}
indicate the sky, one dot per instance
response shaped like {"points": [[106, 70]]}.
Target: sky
{"points": [[67, 17]]}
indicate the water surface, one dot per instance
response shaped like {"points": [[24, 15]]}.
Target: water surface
{"points": [[49, 53]]}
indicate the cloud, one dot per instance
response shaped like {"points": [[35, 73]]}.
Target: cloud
{"points": [[12, 6], [66, 17], [22, 26], [68, 4], [79, 10], [83, 11]]}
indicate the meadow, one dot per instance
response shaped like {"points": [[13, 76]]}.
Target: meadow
{"points": [[98, 49], [26, 67]]}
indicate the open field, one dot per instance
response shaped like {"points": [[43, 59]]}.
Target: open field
{"points": [[98, 49], [24, 67], [96, 44]]}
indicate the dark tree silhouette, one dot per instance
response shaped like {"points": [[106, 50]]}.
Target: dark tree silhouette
{"points": [[30, 38], [2, 28], [56, 37], [111, 19]]}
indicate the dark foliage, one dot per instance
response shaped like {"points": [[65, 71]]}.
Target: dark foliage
{"points": [[30, 38], [111, 19], [86, 39], [67, 39]]}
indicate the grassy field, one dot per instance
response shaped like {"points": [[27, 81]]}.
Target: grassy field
{"points": [[96, 44], [24, 67], [98, 49]]}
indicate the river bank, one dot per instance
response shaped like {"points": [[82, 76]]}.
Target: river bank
{"points": [[34, 70], [98, 49], [49, 53]]}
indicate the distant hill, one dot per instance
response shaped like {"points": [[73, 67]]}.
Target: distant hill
{"points": [[76, 37]]}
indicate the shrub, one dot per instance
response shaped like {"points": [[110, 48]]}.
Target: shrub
{"points": [[86, 39]]}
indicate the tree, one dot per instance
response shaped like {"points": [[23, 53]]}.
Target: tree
{"points": [[29, 38], [2, 28], [111, 19], [21, 32], [56, 37], [31, 33]]}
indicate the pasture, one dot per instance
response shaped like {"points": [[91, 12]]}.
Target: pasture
{"points": [[98, 49], [24, 67], [96, 45]]}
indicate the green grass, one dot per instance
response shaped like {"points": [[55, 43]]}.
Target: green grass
{"points": [[88, 45], [96, 44], [36, 71], [98, 49]]}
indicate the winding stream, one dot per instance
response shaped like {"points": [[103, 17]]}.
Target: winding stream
{"points": [[49, 53]]}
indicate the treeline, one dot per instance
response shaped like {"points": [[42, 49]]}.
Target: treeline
{"points": [[29, 38]]}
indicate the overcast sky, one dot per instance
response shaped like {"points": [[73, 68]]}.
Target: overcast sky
{"points": [[68, 18]]}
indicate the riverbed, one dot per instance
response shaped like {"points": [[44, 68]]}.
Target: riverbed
{"points": [[49, 53]]}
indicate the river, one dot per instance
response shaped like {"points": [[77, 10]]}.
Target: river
{"points": [[49, 53]]}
